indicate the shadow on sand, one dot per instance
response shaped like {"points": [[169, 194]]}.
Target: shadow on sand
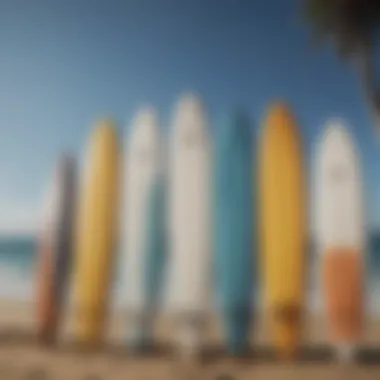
{"points": [[268, 355], [308, 354]]}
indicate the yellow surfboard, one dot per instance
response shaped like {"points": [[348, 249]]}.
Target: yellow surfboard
{"points": [[282, 201], [96, 233]]}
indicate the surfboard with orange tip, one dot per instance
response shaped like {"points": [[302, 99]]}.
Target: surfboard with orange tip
{"points": [[340, 234], [282, 196]]}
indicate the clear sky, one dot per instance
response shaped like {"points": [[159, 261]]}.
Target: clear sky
{"points": [[65, 63]]}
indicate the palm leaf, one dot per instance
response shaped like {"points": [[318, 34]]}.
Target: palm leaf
{"points": [[346, 22]]}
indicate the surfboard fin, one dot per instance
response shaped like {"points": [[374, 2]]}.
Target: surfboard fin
{"points": [[345, 352]]}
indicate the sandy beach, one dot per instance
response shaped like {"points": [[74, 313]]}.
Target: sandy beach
{"points": [[21, 357]]}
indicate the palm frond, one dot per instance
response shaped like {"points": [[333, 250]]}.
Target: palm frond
{"points": [[347, 22]]}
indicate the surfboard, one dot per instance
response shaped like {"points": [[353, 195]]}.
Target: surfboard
{"points": [[283, 225], [143, 227], [96, 234], [55, 247], [190, 223], [340, 234], [233, 213], [155, 249]]}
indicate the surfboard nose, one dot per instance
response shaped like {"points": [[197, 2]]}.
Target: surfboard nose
{"points": [[337, 136], [145, 127], [66, 160], [236, 126], [105, 126], [279, 112], [103, 138], [280, 121], [189, 119], [189, 102], [337, 143]]}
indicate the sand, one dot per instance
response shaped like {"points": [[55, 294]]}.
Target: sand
{"points": [[21, 357]]}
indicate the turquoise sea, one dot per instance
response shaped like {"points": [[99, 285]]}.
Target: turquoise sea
{"points": [[18, 272]]}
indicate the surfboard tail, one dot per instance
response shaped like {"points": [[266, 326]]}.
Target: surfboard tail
{"points": [[90, 322], [237, 321], [189, 340], [345, 352], [140, 332], [287, 328], [190, 333], [46, 302], [287, 343]]}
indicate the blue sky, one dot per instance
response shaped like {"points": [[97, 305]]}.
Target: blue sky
{"points": [[66, 63]]}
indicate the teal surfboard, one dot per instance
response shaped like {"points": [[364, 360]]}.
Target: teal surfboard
{"points": [[233, 223], [154, 266], [142, 226]]}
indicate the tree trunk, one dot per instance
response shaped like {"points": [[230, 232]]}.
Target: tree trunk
{"points": [[366, 68]]}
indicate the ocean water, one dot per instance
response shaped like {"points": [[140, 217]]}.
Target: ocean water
{"points": [[18, 274]]}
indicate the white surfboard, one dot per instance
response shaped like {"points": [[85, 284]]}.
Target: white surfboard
{"points": [[190, 222], [339, 227], [142, 166]]}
